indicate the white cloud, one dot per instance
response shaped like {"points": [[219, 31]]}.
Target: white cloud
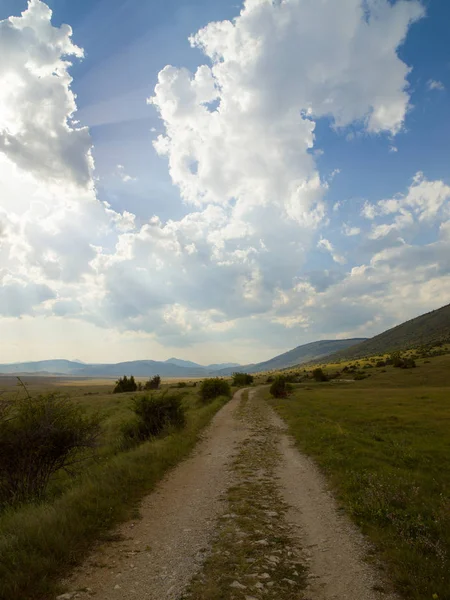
{"points": [[36, 104], [239, 139], [325, 244], [123, 175], [435, 85], [425, 202], [350, 231]]}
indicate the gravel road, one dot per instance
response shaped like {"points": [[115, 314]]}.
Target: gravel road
{"points": [[180, 546]]}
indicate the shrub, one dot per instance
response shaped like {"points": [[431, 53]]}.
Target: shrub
{"points": [[269, 379], [38, 437], [319, 375], [242, 379], [360, 376], [181, 384], [153, 383], [154, 416], [380, 363], [213, 388], [123, 384], [280, 387]]}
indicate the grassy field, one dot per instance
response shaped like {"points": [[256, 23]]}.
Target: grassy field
{"points": [[384, 443], [40, 542]]}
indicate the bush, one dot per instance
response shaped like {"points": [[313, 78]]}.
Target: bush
{"points": [[38, 437], [153, 383], [181, 384], [213, 388], [242, 379], [380, 363], [123, 384], [154, 416], [280, 387], [319, 375], [360, 376], [269, 379], [402, 363]]}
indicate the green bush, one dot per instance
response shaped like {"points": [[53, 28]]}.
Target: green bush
{"points": [[213, 388], [38, 437], [153, 383], [280, 387], [242, 379], [360, 376], [123, 384], [154, 416], [319, 375]]}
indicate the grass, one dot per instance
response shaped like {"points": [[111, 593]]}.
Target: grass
{"points": [[384, 443], [40, 543]]}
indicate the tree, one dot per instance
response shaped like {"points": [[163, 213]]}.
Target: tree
{"points": [[125, 384], [38, 437], [319, 375], [280, 387], [213, 388], [153, 383], [240, 379], [154, 415]]}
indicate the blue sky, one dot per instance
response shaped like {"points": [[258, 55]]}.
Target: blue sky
{"points": [[282, 236]]}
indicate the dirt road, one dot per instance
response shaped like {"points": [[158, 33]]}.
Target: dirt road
{"points": [[245, 517]]}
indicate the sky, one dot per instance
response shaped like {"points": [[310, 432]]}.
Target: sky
{"points": [[219, 181]]}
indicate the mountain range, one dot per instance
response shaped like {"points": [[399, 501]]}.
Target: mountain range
{"points": [[174, 367]]}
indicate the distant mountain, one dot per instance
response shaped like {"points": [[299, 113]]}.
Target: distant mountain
{"points": [[298, 356], [60, 366], [184, 363], [219, 366], [139, 368], [193, 365], [429, 328]]}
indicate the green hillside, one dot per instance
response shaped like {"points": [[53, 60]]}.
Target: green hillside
{"points": [[297, 356], [429, 329]]}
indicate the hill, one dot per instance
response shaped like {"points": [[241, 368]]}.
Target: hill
{"points": [[428, 329], [297, 356]]}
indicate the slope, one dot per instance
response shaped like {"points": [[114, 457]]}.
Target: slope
{"points": [[428, 329], [297, 356]]}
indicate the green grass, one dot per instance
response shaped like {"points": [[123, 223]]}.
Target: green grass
{"points": [[384, 443], [40, 543]]}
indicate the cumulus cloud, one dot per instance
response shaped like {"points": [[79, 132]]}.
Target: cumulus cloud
{"points": [[36, 103], [239, 141], [425, 202]]}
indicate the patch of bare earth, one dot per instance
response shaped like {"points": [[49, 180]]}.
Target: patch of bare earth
{"points": [[247, 517]]}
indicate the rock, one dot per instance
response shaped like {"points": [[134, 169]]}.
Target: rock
{"points": [[238, 585]]}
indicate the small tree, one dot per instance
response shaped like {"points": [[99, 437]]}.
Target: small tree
{"points": [[154, 415], [280, 387], [125, 384], [319, 375], [153, 383], [240, 379], [38, 437], [213, 388]]}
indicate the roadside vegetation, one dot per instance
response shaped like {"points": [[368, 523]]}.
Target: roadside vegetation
{"points": [[380, 430], [73, 465]]}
